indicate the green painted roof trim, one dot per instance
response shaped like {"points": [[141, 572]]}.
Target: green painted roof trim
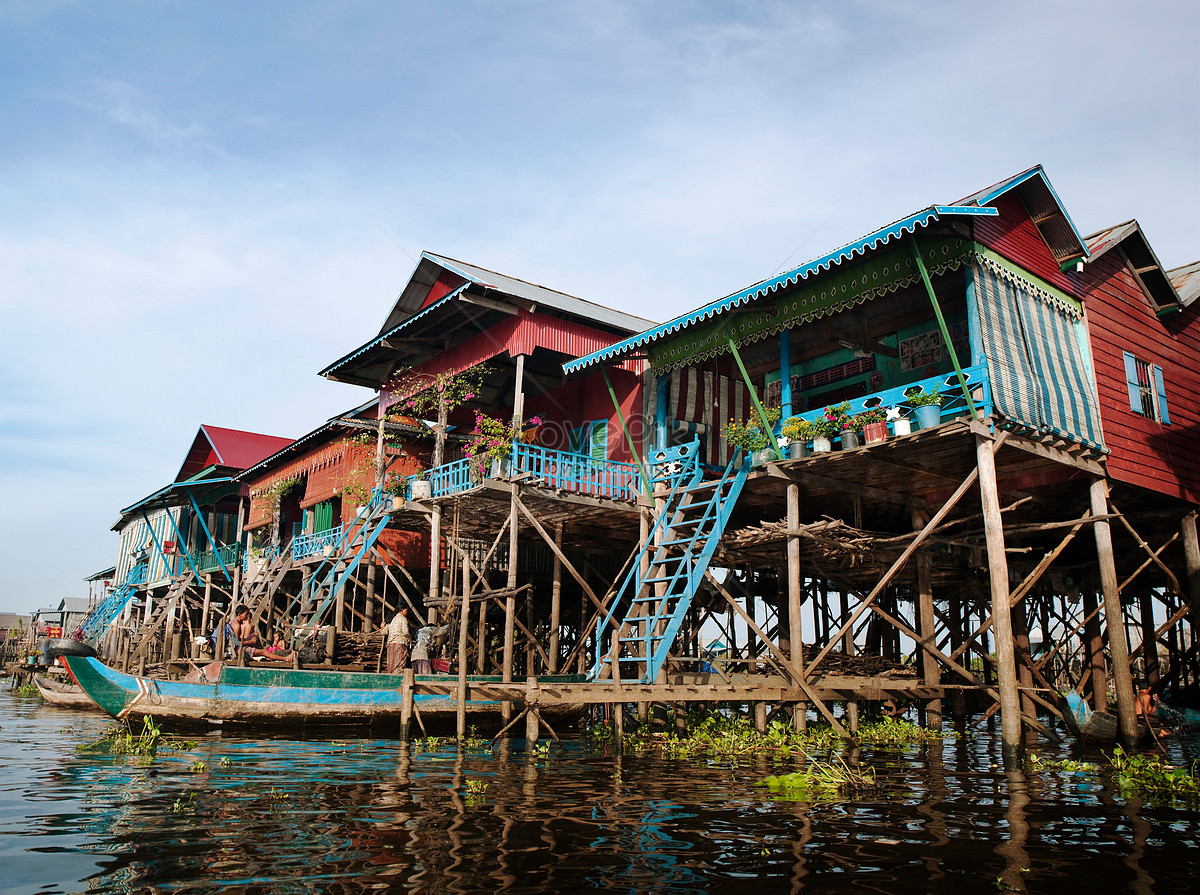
{"points": [[841, 288], [1004, 267]]}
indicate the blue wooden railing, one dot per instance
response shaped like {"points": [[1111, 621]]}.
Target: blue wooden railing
{"points": [[578, 473], [307, 545], [954, 402], [210, 560], [562, 470]]}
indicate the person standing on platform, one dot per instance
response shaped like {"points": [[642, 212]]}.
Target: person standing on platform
{"points": [[398, 642]]}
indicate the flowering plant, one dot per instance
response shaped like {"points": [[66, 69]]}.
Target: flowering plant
{"points": [[797, 428], [492, 439], [426, 391], [833, 419], [870, 415], [749, 435]]}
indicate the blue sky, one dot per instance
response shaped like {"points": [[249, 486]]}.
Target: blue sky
{"points": [[202, 204]]}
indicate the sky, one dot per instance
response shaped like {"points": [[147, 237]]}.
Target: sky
{"points": [[203, 204]]}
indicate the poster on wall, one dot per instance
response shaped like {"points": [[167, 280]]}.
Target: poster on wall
{"points": [[929, 349]]}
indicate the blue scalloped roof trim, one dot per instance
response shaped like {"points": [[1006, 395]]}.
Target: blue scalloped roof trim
{"points": [[825, 263]]}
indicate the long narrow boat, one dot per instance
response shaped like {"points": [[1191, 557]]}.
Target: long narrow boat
{"points": [[276, 697], [64, 695]]}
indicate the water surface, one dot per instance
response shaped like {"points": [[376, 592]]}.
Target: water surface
{"points": [[236, 814]]}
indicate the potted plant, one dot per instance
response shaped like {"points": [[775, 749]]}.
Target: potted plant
{"points": [[799, 432], [825, 429], [751, 437], [927, 406], [873, 422], [421, 488], [843, 421]]}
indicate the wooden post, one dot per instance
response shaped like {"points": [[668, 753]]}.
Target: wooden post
{"points": [[1191, 559], [531, 718], [556, 601], [1118, 644], [931, 671], [1024, 672], [464, 619], [993, 528], [207, 605], [848, 648], [795, 595], [369, 607], [1149, 640], [1094, 648], [481, 639], [510, 604], [406, 702]]}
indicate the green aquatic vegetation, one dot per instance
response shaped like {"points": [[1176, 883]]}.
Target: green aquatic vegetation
{"points": [[428, 744], [719, 734], [29, 688], [225, 761], [475, 792], [183, 803], [1037, 763], [1151, 777], [197, 767], [277, 795], [121, 740], [897, 731], [473, 740], [824, 780]]}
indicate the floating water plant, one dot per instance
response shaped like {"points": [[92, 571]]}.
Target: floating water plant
{"points": [[1069, 765], [1152, 778], [824, 780], [120, 740], [897, 731]]}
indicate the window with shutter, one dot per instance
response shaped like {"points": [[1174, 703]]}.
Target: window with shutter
{"points": [[1147, 391]]}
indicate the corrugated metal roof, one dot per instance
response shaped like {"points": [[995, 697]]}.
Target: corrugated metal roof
{"points": [[230, 448], [1141, 256], [1041, 201], [405, 311], [1186, 280], [848, 252]]}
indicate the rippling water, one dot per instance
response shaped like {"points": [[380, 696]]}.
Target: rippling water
{"points": [[276, 815]]}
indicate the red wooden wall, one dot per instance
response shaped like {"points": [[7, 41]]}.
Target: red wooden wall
{"points": [[1162, 458], [1013, 235]]}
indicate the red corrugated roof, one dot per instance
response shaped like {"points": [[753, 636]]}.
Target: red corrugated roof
{"points": [[230, 448]]}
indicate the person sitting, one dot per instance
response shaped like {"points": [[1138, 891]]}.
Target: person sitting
{"points": [[1145, 702], [277, 651]]}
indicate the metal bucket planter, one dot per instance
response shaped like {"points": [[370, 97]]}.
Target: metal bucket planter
{"points": [[849, 439], [928, 415], [822, 445], [798, 450], [873, 433], [422, 489], [903, 426]]}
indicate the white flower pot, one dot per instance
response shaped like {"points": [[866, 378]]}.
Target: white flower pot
{"points": [[822, 445], [422, 489], [903, 426]]}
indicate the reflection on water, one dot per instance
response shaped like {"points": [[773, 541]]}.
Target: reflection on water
{"points": [[348, 816]]}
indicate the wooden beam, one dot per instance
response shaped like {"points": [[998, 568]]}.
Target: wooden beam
{"points": [[802, 477]]}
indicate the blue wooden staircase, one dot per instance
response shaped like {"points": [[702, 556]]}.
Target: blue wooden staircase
{"points": [[95, 625], [335, 571], [650, 608]]}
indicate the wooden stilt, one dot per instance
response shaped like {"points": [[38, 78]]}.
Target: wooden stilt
{"points": [[795, 595], [406, 702], [1094, 650], [1118, 645], [931, 671], [531, 717], [556, 600], [510, 603], [463, 656], [1010, 708], [369, 605], [1149, 639], [1191, 559]]}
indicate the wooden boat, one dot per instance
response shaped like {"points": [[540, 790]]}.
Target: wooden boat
{"points": [[1095, 727], [284, 697], [64, 694], [1176, 715]]}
